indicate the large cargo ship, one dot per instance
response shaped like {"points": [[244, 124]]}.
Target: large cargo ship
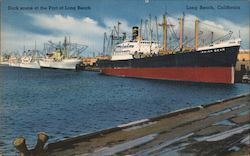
{"points": [[213, 63]]}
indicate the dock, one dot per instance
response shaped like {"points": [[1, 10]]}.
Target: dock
{"points": [[220, 128]]}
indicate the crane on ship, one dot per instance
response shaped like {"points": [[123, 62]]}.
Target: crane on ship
{"points": [[70, 49], [204, 35], [111, 40]]}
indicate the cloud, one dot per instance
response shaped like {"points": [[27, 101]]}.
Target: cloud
{"points": [[83, 30], [89, 31]]}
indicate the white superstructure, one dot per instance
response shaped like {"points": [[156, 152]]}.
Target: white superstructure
{"points": [[221, 44], [129, 48], [29, 62]]}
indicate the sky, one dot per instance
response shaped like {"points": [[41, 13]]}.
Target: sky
{"points": [[86, 21]]}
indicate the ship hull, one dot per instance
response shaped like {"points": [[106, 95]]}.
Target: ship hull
{"points": [[214, 66], [69, 64], [194, 74], [33, 65], [14, 64]]}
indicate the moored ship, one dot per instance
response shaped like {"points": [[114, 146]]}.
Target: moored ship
{"points": [[213, 63], [14, 61], [30, 60], [60, 58], [57, 63]]}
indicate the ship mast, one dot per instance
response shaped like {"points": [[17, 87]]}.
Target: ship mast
{"points": [[196, 34], [157, 35], [150, 29], [65, 47], [118, 25], [165, 26], [104, 42], [112, 40], [212, 37], [140, 35], [181, 33], [34, 55], [164, 33]]}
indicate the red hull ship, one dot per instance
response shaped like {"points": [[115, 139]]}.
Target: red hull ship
{"points": [[214, 63]]}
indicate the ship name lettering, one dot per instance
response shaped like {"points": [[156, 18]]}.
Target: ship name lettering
{"points": [[213, 50]]}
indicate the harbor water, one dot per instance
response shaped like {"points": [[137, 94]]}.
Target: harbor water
{"points": [[67, 103]]}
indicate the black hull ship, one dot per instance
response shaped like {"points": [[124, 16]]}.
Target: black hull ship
{"points": [[214, 63]]}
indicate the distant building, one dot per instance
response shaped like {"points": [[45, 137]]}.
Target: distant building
{"points": [[243, 61], [103, 57], [89, 61], [4, 58]]}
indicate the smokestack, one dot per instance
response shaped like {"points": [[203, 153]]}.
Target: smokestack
{"points": [[135, 31]]}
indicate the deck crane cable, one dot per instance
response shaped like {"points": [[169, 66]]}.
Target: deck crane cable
{"points": [[227, 35], [223, 37], [190, 40], [171, 30], [75, 48], [174, 34], [194, 21]]}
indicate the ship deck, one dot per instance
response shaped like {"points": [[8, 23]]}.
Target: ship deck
{"points": [[220, 128]]}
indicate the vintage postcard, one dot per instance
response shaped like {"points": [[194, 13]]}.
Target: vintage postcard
{"points": [[124, 77]]}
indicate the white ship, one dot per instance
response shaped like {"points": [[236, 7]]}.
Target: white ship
{"points": [[29, 62], [29, 59], [60, 58], [13, 61], [3, 60], [4, 63], [59, 62]]}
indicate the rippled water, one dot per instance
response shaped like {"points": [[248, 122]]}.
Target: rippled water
{"points": [[68, 103]]}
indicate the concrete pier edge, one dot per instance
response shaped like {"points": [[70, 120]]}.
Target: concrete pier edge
{"points": [[80, 137]]}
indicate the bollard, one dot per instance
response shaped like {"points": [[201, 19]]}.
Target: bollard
{"points": [[42, 138], [20, 145], [39, 150]]}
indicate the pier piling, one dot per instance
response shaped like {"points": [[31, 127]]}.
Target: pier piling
{"points": [[42, 138], [21, 146]]}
